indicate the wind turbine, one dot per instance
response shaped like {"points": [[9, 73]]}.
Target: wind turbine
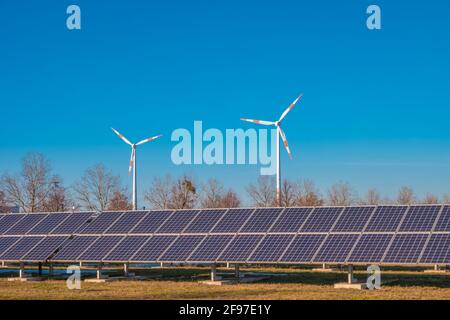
{"points": [[133, 161], [280, 133]]}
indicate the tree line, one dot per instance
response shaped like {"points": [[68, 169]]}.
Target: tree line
{"points": [[37, 189]]}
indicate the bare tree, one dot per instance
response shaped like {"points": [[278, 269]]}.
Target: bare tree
{"points": [[3, 202], [372, 197], [430, 199], [30, 188], [308, 195], [446, 199], [289, 193], [263, 193], [341, 194], [231, 200], [96, 188], [406, 196], [119, 201], [160, 193], [183, 194], [215, 196], [58, 199]]}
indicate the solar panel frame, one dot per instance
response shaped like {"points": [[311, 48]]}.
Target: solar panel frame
{"points": [[354, 219], [72, 224], [386, 218], [7, 242], [44, 249], [370, 248], [9, 221], [177, 222], [397, 253], [126, 222], [203, 223], [210, 248], [322, 219], [49, 223], [155, 247], [261, 220], [151, 222], [233, 220], [291, 220], [74, 248], [125, 250], [100, 248], [101, 223], [302, 249], [420, 218], [437, 250], [443, 222], [271, 248], [182, 248], [336, 248], [26, 224], [240, 248], [20, 248]]}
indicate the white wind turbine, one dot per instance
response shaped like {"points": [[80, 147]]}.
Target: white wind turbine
{"points": [[280, 133], [133, 162]]}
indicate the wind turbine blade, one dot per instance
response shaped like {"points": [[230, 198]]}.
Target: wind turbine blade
{"points": [[285, 142], [266, 123], [290, 107], [131, 162], [149, 139], [122, 137]]}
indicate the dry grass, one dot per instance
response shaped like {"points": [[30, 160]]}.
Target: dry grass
{"points": [[181, 283]]}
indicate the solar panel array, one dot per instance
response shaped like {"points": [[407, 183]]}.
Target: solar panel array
{"points": [[418, 234]]}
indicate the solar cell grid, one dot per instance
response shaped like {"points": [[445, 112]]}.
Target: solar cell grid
{"points": [[50, 222], [336, 248], [322, 219], [405, 248], [7, 242], [303, 248], [9, 221], [210, 249], [370, 248], [437, 249], [74, 248], [153, 249], [20, 248], [180, 250], [74, 222], [420, 218], [151, 222], [353, 219], [126, 222], [125, 250], [271, 248], [44, 249], [232, 221], [100, 248], [101, 223], [291, 220], [178, 221], [205, 221], [25, 224], [386, 219], [261, 220], [443, 223], [240, 248]]}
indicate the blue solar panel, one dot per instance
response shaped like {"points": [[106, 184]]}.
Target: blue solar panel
{"points": [[152, 221], [240, 248], [74, 248], [178, 221], [153, 249], [20, 248], [370, 248], [336, 248], [261, 220], [437, 249], [45, 248], [443, 223], [271, 248], [405, 248], [100, 248], [126, 222], [420, 218], [182, 248], [353, 219], [210, 249], [205, 221], [386, 219], [101, 223], [7, 242], [126, 249], [322, 219], [49, 223], [303, 248], [74, 222], [9, 221], [291, 220], [25, 224], [233, 221]]}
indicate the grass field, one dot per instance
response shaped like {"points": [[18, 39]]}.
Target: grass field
{"points": [[182, 283]]}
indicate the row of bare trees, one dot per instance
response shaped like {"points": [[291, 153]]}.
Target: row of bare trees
{"points": [[35, 188]]}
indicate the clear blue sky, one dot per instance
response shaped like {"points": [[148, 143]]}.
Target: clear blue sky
{"points": [[375, 113]]}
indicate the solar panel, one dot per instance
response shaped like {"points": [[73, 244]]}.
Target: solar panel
{"points": [[125, 250], [151, 222], [291, 220], [74, 248], [210, 249], [205, 221], [74, 222], [420, 218], [178, 221], [261, 220], [7, 242], [336, 248], [303, 248], [26, 224], [353, 219], [126, 222], [153, 249], [100, 248], [20, 248], [181, 249], [45, 248], [101, 223], [240, 248], [232, 221], [9, 221], [50, 222], [271, 248], [322, 219], [406, 248], [371, 248], [386, 219], [437, 249], [443, 223]]}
